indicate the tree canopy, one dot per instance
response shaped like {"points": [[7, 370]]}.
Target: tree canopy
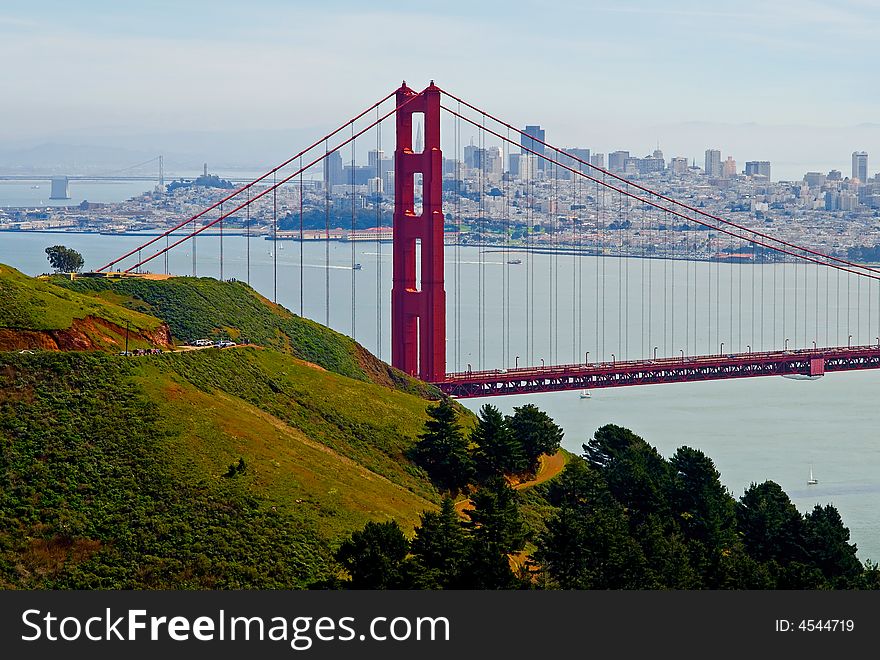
{"points": [[442, 449], [64, 259]]}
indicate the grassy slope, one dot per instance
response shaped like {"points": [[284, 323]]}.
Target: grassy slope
{"points": [[32, 304], [204, 307], [111, 469]]}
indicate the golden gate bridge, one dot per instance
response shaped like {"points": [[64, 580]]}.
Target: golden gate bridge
{"points": [[616, 219]]}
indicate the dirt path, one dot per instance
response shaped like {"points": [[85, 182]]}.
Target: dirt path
{"points": [[549, 467]]}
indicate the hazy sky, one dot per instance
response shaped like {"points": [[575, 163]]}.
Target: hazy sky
{"points": [[608, 74]]}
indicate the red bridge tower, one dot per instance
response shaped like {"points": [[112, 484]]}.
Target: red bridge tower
{"points": [[418, 315]]}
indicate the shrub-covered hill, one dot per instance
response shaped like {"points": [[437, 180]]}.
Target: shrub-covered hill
{"points": [[239, 468], [35, 313], [196, 308]]}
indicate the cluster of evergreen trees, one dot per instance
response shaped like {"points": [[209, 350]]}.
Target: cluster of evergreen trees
{"points": [[498, 445], [626, 518], [622, 517], [446, 551]]}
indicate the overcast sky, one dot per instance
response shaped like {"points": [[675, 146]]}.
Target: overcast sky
{"points": [[608, 74]]}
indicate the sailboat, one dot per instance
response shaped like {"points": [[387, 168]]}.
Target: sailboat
{"points": [[585, 394], [812, 481]]}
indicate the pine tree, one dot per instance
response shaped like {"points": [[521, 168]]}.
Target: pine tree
{"points": [[497, 451], [536, 433], [374, 556], [497, 530], [440, 548], [442, 449]]}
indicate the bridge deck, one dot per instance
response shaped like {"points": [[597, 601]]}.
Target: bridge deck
{"points": [[526, 380]]}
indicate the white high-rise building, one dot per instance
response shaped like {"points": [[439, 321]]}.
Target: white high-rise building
{"points": [[713, 163], [860, 165]]}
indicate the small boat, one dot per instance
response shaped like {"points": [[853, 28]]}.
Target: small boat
{"points": [[801, 377], [356, 267], [812, 481], [585, 394], [514, 261]]}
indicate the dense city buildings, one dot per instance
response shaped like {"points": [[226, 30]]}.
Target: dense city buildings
{"points": [[494, 195]]}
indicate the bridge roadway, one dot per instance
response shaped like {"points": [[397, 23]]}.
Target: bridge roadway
{"points": [[528, 380]]}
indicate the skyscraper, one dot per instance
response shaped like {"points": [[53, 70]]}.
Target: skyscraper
{"points": [[333, 172], [728, 168], [617, 160], [713, 163], [860, 165], [679, 165], [758, 168], [470, 155], [536, 133]]}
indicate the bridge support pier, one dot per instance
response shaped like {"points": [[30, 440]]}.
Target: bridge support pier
{"points": [[418, 309]]}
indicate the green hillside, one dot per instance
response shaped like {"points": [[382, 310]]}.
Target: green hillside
{"points": [[204, 307], [235, 468], [46, 314], [114, 471]]}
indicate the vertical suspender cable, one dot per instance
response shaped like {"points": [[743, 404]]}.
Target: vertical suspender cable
{"points": [[301, 238], [672, 266], [327, 186], [620, 283], [247, 232], [353, 229], [602, 259], [506, 277], [795, 296], [645, 350], [458, 191], [763, 275], [275, 237], [220, 224], [378, 202], [193, 239], [687, 288]]}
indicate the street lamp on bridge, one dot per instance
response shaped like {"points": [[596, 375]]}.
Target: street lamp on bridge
{"points": [[786, 343], [721, 350], [655, 351], [681, 350], [748, 348], [516, 364], [542, 363], [849, 342]]}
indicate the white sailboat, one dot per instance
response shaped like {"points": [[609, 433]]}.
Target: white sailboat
{"points": [[585, 394], [812, 481]]}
